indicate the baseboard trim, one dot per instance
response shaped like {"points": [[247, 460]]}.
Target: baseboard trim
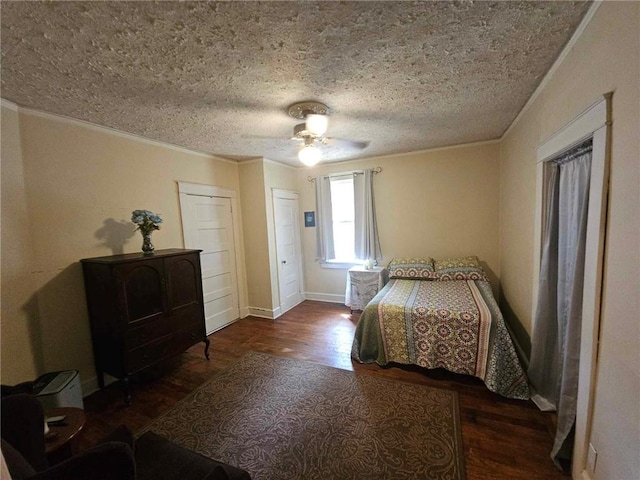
{"points": [[302, 299], [264, 312], [244, 312], [325, 297]]}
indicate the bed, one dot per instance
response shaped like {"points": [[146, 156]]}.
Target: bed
{"points": [[441, 315]]}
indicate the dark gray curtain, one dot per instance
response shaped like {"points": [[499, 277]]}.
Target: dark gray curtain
{"points": [[555, 348]]}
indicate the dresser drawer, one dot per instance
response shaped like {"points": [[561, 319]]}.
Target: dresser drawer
{"points": [[150, 353], [171, 344], [137, 337], [183, 317]]}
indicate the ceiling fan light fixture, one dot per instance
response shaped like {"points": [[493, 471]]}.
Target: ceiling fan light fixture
{"points": [[309, 155], [316, 124]]}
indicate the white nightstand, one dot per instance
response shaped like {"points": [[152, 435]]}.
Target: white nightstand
{"points": [[362, 285]]}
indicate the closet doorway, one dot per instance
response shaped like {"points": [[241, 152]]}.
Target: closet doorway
{"points": [[593, 123]]}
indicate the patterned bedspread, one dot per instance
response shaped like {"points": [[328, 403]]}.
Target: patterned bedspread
{"points": [[455, 325]]}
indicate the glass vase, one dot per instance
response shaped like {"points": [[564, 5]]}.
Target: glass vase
{"points": [[147, 246]]}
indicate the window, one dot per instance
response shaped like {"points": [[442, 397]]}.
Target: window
{"points": [[346, 230], [342, 209]]}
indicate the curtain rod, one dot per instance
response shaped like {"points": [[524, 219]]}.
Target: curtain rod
{"points": [[375, 171], [575, 152]]}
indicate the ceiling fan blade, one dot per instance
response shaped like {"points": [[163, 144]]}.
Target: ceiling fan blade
{"points": [[341, 142]]}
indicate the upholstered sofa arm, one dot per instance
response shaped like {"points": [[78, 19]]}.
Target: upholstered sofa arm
{"points": [[106, 461], [22, 420], [157, 457], [111, 460]]}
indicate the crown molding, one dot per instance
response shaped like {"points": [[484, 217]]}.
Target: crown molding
{"points": [[101, 128], [405, 154], [8, 104], [250, 161], [281, 164]]}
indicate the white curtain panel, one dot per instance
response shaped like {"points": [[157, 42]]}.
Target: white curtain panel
{"points": [[324, 220], [555, 350], [367, 243]]}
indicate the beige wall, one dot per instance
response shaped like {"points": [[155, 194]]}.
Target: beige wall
{"points": [[254, 224], [281, 177], [605, 58], [75, 187], [257, 180], [19, 327], [436, 203]]}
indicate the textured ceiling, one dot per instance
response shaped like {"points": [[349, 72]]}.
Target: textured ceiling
{"points": [[218, 76]]}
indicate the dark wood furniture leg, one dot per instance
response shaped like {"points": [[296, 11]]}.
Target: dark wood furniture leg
{"points": [[126, 385], [206, 348]]}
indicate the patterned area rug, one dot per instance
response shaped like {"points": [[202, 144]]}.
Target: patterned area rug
{"points": [[280, 418]]}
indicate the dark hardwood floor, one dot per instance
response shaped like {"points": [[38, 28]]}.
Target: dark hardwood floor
{"points": [[503, 438]]}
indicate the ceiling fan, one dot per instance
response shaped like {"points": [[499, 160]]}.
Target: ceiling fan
{"points": [[312, 132]]}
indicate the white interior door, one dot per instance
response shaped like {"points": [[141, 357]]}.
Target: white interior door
{"points": [[207, 224], [285, 208]]}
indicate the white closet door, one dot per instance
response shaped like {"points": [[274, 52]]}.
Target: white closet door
{"points": [[207, 224], [288, 249]]}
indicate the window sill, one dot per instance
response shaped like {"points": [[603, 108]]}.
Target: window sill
{"points": [[340, 265]]}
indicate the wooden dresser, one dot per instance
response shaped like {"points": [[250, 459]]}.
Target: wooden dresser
{"points": [[142, 309]]}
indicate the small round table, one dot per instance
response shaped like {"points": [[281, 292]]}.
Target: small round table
{"points": [[60, 441]]}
